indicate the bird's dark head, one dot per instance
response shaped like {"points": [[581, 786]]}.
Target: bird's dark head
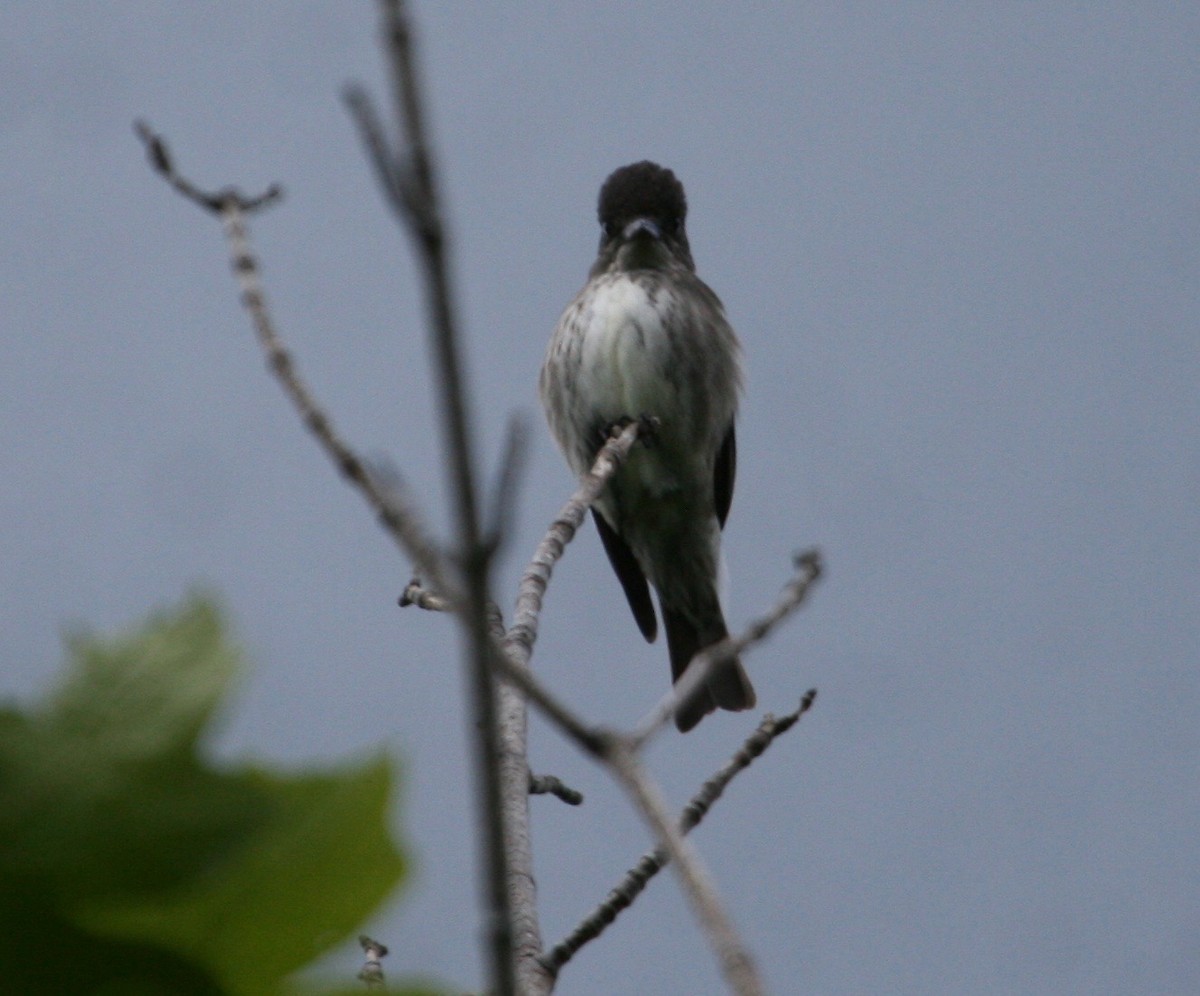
{"points": [[642, 211]]}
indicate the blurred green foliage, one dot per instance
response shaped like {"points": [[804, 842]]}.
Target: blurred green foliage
{"points": [[131, 864]]}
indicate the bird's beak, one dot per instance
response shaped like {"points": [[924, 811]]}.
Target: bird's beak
{"points": [[639, 226]]}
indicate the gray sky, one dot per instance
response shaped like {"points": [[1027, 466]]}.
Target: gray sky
{"points": [[960, 244]]}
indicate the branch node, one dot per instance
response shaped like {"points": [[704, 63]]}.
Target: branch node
{"points": [[415, 594], [372, 971], [551, 785], [809, 561], [224, 200]]}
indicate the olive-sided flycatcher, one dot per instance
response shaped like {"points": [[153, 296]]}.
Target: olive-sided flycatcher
{"points": [[647, 337]]}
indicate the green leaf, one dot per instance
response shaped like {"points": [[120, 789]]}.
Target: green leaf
{"points": [[128, 861], [281, 897]]}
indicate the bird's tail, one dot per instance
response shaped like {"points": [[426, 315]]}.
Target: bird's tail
{"points": [[728, 687]]}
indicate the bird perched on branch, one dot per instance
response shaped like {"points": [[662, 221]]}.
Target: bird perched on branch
{"points": [[646, 337]]}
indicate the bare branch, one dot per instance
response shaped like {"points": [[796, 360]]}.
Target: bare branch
{"points": [[392, 506], [419, 208], [415, 166], [732, 955], [520, 678], [511, 658], [808, 568], [395, 511], [523, 633], [651, 863]]}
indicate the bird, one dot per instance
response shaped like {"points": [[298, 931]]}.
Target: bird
{"points": [[646, 338]]}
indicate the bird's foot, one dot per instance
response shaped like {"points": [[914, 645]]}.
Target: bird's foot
{"points": [[647, 427]]}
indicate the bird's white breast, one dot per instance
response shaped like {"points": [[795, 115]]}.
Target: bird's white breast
{"points": [[622, 370]]}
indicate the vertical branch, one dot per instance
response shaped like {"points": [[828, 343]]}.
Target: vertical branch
{"points": [[418, 197]]}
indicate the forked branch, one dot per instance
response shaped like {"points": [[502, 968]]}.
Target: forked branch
{"points": [[638, 877]]}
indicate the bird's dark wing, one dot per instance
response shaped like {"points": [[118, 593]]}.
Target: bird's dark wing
{"points": [[724, 471], [637, 591]]}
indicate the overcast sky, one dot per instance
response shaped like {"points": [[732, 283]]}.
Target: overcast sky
{"points": [[960, 245]]}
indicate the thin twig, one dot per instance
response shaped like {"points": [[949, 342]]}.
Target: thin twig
{"points": [[395, 511], [512, 659], [524, 630], [370, 130], [652, 862], [521, 678], [808, 569], [733, 957], [416, 594], [552, 785], [383, 491], [213, 201]]}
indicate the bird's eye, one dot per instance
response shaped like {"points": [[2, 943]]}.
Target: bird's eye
{"points": [[671, 226], [606, 229]]}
